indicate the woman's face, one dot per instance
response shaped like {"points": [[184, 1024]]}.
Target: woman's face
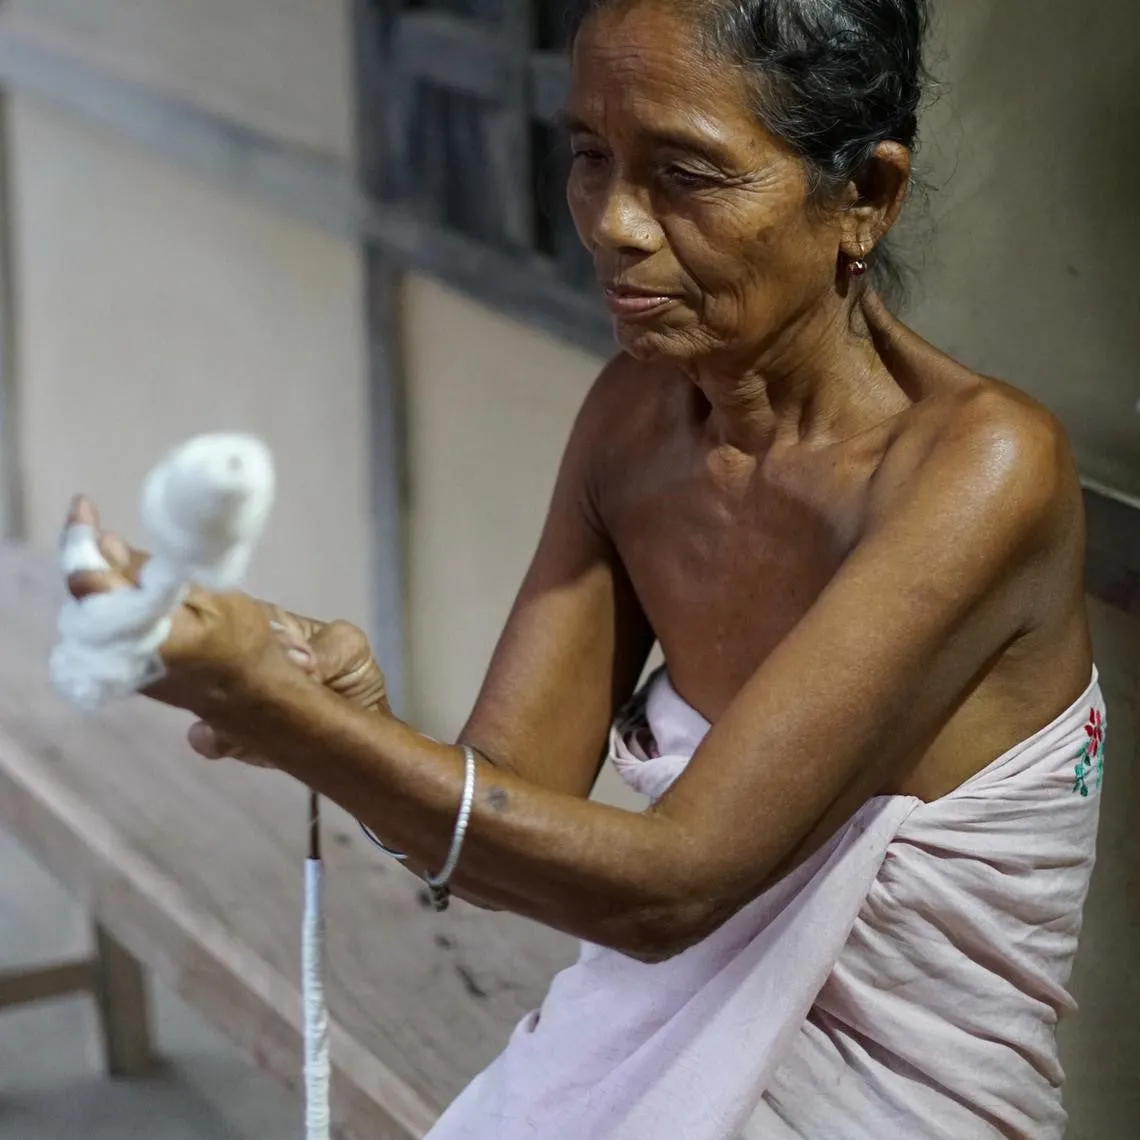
{"points": [[698, 220]]}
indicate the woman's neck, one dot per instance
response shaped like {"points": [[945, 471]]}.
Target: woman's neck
{"points": [[824, 381]]}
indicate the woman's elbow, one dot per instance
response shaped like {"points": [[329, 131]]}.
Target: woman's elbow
{"points": [[657, 932]]}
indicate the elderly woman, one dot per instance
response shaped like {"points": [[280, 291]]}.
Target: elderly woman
{"points": [[873, 755]]}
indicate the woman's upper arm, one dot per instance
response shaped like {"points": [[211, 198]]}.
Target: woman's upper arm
{"points": [[576, 640]]}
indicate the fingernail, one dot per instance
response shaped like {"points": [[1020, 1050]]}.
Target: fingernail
{"points": [[301, 657], [82, 510]]}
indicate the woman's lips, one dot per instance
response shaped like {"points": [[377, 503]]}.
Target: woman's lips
{"points": [[630, 303]]}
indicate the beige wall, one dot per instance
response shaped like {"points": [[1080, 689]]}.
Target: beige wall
{"points": [[151, 306], [1034, 156], [490, 404], [279, 66]]}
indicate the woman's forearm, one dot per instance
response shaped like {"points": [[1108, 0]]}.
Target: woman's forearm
{"points": [[602, 874]]}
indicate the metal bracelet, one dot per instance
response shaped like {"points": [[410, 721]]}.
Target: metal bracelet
{"points": [[437, 884], [370, 835]]}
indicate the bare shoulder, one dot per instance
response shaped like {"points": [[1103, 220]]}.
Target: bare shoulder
{"points": [[626, 396], [626, 412], [983, 445]]}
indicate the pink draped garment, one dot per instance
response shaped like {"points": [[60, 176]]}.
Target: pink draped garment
{"points": [[904, 984]]}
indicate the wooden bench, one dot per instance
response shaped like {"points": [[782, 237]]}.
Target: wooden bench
{"points": [[193, 871]]}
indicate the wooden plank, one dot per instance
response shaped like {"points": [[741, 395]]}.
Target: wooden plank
{"points": [[385, 364], [371, 32], [549, 82], [121, 996], [196, 868], [389, 475], [12, 521], [453, 52], [527, 290], [510, 179], [23, 987]]}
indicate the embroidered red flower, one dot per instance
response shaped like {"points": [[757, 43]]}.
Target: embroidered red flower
{"points": [[1095, 730], [1092, 755]]}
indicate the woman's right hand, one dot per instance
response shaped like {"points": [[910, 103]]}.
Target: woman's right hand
{"points": [[336, 654]]}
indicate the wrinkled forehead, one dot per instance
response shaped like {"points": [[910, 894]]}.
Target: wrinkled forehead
{"points": [[641, 69]]}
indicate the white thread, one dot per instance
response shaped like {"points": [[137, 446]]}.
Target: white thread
{"points": [[203, 508], [206, 506], [80, 551], [317, 1122]]}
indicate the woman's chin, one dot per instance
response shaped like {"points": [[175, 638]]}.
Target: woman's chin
{"points": [[648, 342]]}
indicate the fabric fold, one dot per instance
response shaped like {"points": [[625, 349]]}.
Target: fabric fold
{"points": [[905, 982]]}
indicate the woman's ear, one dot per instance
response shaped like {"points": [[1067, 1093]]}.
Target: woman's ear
{"points": [[874, 199]]}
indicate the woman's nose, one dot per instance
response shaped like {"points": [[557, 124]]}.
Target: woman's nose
{"points": [[626, 224]]}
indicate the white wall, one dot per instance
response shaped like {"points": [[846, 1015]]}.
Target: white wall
{"points": [[152, 306], [279, 66], [490, 405], [1034, 157]]}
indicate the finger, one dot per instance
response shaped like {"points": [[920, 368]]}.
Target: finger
{"points": [[347, 666], [207, 742], [82, 512], [295, 633], [306, 626], [122, 556], [86, 569], [84, 562], [79, 540], [300, 652], [338, 650], [210, 744]]}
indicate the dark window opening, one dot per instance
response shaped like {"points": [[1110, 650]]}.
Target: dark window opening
{"points": [[472, 88]]}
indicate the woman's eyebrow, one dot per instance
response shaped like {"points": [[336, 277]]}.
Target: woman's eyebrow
{"points": [[570, 123], [674, 139], [698, 144]]}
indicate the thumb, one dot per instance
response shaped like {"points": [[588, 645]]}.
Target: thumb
{"points": [[346, 665]]}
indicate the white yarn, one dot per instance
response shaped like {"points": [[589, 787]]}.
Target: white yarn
{"points": [[203, 511], [317, 1122]]}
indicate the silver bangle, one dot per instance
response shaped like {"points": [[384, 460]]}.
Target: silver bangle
{"points": [[370, 835], [437, 884]]}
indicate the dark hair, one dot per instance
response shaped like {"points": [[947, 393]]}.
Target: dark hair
{"points": [[834, 78]]}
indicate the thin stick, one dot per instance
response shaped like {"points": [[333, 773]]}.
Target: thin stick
{"points": [[314, 825]]}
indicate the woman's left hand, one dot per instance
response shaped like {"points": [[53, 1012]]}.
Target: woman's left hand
{"points": [[219, 644]]}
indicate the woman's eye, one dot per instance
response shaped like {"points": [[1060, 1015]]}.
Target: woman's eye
{"points": [[587, 155], [685, 178]]}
